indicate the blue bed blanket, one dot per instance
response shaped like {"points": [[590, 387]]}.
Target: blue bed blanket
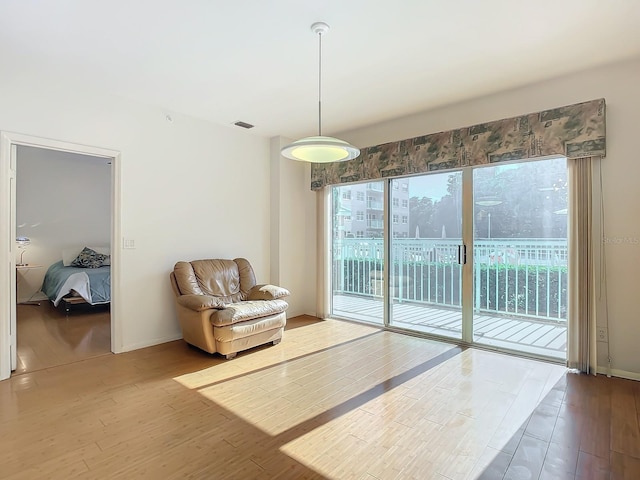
{"points": [[93, 284]]}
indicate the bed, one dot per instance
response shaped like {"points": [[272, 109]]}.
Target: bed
{"points": [[93, 285]]}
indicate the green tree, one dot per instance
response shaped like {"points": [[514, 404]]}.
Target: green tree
{"points": [[421, 211], [529, 201]]}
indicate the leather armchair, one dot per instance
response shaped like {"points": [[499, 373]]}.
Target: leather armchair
{"points": [[222, 309]]}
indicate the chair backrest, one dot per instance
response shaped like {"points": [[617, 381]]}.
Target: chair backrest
{"points": [[229, 280]]}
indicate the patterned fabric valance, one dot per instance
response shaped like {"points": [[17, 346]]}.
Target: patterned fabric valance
{"points": [[573, 131]]}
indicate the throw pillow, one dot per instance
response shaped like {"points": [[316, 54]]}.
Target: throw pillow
{"points": [[89, 259]]}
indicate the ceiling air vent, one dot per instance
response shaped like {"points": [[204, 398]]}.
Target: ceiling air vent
{"points": [[243, 125]]}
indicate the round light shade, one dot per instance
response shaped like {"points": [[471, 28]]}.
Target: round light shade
{"points": [[22, 242], [320, 150], [488, 202]]}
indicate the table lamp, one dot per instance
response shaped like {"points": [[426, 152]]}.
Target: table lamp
{"points": [[23, 243]]}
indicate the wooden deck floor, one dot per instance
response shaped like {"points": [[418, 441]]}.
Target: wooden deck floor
{"points": [[528, 335]]}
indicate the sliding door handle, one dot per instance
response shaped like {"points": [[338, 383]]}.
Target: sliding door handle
{"points": [[462, 254]]}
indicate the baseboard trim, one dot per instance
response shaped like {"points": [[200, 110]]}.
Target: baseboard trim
{"points": [[619, 373], [151, 343], [33, 298]]}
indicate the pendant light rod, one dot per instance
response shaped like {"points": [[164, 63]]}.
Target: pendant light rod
{"points": [[320, 84], [319, 28], [320, 149]]}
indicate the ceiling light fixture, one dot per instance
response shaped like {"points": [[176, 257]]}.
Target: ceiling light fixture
{"points": [[320, 149]]}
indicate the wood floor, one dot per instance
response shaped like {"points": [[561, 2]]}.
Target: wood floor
{"points": [[334, 400], [545, 338], [48, 337]]}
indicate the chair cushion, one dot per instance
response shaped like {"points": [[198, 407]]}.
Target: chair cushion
{"points": [[249, 328], [230, 280], [219, 278], [248, 310]]}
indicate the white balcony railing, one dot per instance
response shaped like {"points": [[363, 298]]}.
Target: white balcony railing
{"points": [[526, 277]]}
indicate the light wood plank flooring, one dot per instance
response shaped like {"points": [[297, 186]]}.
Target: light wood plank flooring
{"points": [[334, 400], [47, 337]]}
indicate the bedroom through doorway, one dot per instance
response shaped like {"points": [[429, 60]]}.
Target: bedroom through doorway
{"points": [[63, 222]]}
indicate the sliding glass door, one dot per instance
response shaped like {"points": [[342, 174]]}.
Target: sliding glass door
{"points": [[477, 255], [520, 257], [357, 254], [425, 270]]}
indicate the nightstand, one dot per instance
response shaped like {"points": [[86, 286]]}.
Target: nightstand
{"points": [[24, 270]]}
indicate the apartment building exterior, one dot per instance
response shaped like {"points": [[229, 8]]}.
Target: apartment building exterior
{"points": [[359, 210]]}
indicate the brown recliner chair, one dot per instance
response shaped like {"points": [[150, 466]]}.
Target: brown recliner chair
{"points": [[221, 309]]}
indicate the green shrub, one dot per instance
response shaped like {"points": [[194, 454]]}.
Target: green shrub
{"points": [[537, 291]]}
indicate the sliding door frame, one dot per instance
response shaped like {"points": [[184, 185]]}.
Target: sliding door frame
{"points": [[467, 253], [468, 262], [386, 239]]}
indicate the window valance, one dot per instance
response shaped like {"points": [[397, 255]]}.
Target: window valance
{"points": [[574, 131]]}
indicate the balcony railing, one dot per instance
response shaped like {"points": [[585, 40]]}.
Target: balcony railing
{"points": [[522, 277]]}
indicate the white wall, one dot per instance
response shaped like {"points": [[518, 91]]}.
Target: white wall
{"points": [[293, 230], [618, 84], [189, 189], [62, 200]]}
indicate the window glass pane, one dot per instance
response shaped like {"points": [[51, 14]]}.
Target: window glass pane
{"points": [[425, 281], [358, 252], [520, 256]]}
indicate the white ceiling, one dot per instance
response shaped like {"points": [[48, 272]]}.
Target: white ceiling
{"points": [[256, 60]]}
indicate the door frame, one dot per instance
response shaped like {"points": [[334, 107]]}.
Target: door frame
{"points": [[467, 241], [8, 143]]}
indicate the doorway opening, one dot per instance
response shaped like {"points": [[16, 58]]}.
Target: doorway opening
{"points": [[26, 266], [63, 205]]}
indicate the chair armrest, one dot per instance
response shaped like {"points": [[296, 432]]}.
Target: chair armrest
{"points": [[199, 303], [267, 292]]}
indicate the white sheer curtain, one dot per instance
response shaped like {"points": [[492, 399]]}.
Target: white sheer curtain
{"points": [[585, 250]]}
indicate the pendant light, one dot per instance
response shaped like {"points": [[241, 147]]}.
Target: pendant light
{"points": [[320, 149]]}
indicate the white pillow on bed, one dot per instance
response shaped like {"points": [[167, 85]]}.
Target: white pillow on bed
{"points": [[71, 253]]}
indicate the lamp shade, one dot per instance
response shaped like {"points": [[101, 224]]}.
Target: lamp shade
{"points": [[320, 149], [23, 242], [488, 201]]}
